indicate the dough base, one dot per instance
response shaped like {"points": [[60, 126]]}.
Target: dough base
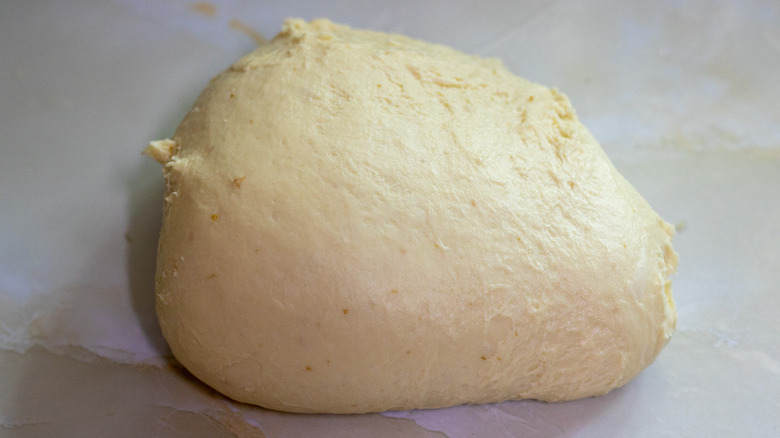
{"points": [[357, 221]]}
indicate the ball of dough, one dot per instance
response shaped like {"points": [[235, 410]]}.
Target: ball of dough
{"points": [[357, 221]]}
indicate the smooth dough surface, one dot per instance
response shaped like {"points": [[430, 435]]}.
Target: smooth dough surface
{"points": [[358, 221]]}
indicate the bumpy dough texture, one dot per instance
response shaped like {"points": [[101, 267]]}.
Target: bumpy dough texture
{"points": [[358, 221]]}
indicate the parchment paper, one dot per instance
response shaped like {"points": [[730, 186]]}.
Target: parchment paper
{"points": [[683, 95]]}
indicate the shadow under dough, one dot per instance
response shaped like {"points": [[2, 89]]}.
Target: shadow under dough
{"points": [[145, 196]]}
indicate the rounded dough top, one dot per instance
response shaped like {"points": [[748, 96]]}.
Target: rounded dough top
{"points": [[357, 221]]}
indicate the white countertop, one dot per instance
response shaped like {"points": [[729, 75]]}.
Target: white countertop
{"points": [[683, 96]]}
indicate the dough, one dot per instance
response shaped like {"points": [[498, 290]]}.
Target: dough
{"points": [[356, 221]]}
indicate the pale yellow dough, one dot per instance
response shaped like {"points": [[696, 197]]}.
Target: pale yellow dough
{"points": [[357, 221]]}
